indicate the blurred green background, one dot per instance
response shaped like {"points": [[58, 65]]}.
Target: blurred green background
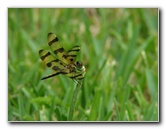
{"points": [[119, 48]]}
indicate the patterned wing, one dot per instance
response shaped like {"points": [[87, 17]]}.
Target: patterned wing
{"points": [[72, 54], [56, 47], [54, 64]]}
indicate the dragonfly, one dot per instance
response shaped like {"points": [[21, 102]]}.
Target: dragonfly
{"points": [[64, 62]]}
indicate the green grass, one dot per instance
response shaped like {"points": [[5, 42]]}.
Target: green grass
{"points": [[119, 48]]}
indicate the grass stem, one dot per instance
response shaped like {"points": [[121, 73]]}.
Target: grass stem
{"points": [[73, 102]]}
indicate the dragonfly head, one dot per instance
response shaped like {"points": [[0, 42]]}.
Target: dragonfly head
{"points": [[80, 66]]}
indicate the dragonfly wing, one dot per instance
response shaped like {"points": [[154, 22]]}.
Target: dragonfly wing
{"points": [[72, 54], [53, 63], [56, 47]]}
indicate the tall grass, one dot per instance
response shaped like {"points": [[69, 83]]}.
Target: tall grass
{"points": [[119, 48]]}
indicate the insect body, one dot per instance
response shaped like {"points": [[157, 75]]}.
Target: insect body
{"points": [[66, 63]]}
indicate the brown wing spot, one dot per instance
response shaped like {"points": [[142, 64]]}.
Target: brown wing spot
{"points": [[47, 54], [55, 60], [64, 72], [64, 56], [74, 50], [59, 50], [40, 51], [53, 41], [49, 64], [55, 68], [71, 59], [62, 64]]}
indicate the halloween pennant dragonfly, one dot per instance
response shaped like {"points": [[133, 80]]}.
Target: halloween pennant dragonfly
{"points": [[65, 63]]}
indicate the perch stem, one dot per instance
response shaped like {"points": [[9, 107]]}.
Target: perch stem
{"points": [[73, 102]]}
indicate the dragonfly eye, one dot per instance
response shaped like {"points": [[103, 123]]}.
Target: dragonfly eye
{"points": [[79, 64]]}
